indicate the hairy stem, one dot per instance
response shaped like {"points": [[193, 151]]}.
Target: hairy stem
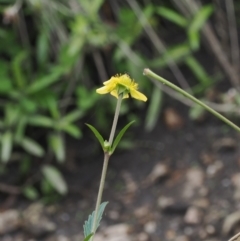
{"points": [[151, 74], [105, 166]]}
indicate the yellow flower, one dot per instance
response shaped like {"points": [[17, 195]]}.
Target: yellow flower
{"points": [[121, 84]]}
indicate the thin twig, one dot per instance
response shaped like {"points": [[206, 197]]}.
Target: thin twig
{"points": [[223, 108], [159, 45], [100, 66], [215, 46], [151, 74], [10, 189], [233, 34]]}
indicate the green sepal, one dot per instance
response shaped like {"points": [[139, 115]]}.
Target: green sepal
{"points": [[119, 137], [88, 237], [97, 134]]}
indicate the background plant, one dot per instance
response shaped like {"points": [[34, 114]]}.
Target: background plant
{"points": [[54, 53]]}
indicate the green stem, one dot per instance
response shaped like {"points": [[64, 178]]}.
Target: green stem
{"points": [[105, 165], [151, 74], [100, 192], [115, 120]]}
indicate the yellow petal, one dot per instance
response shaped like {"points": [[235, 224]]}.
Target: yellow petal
{"points": [[114, 93], [138, 95], [103, 90]]}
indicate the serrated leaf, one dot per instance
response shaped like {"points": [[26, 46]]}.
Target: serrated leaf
{"points": [[32, 147], [119, 136], [172, 16], [153, 109], [55, 178], [57, 144], [7, 141], [88, 225], [97, 134]]}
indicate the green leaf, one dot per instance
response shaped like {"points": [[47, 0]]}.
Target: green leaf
{"points": [[97, 134], [46, 81], [200, 18], [20, 129], [197, 24], [57, 144], [18, 73], [40, 120], [153, 109], [196, 112], [177, 53], [28, 105], [198, 70], [7, 142], [52, 105], [32, 147], [172, 16], [55, 178], [72, 130], [71, 117], [194, 40], [88, 237], [30, 193], [42, 48], [12, 113], [88, 225], [6, 85], [119, 136]]}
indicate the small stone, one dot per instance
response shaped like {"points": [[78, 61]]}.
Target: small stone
{"points": [[230, 222], [210, 229], [201, 203], [225, 144], [9, 221], [169, 205], [193, 216], [36, 222], [158, 172], [150, 227], [114, 215], [207, 159], [194, 182], [215, 168], [142, 237], [118, 232], [141, 211], [236, 183], [182, 238], [172, 119], [170, 234]]}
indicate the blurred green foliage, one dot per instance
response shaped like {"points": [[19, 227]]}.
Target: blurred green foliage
{"points": [[54, 53]]}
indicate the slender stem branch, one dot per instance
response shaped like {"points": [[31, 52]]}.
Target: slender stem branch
{"points": [[105, 165], [151, 74]]}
